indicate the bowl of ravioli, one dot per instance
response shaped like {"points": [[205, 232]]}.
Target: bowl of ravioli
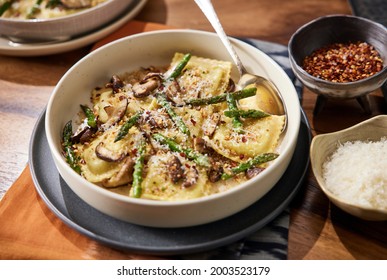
{"points": [[152, 129], [58, 20]]}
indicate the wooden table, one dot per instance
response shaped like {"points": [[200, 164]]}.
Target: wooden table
{"points": [[318, 230]]}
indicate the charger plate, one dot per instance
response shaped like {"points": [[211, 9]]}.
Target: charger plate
{"points": [[114, 233]]}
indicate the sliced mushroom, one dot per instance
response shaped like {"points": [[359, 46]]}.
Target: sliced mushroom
{"points": [[231, 85], [87, 135], [76, 4], [158, 119], [174, 93], [107, 155], [152, 75], [149, 83], [200, 145], [84, 133], [144, 89], [175, 169], [153, 120], [115, 83], [123, 176], [191, 176], [252, 172], [210, 124], [115, 113], [215, 173]]}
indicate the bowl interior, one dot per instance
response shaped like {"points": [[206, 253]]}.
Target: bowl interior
{"points": [[137, 51], [324, 145]]}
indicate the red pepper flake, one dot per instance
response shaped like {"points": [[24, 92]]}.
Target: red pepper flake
{"points": [[182, 154], [193, 121], [244, 139], [342, 63], [241, 156]]}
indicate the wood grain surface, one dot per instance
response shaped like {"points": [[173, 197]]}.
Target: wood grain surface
{"points": [[318, 230]]}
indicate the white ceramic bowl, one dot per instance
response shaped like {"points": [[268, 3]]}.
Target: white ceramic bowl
{"points": [[324, 145], [157, 48], [63, 28]]}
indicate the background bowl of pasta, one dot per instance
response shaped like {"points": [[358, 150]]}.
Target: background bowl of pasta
{"points": [[179, 162], [27, 21]]}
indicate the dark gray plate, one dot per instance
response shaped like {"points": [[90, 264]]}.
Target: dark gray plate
{"points": [[146, 240]]}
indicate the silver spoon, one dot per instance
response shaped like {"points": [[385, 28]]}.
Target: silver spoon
{"points": [[270, 98]]}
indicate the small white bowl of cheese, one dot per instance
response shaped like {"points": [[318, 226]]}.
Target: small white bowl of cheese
{"points": [[350, 166]]}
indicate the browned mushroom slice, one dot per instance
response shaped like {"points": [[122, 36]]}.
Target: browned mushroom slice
{"points": [[149, 83], [115, 83], [83, 133], [174, 92], [107, 155], [87, 135], [175, 169], [157, 119], [252, 172], [215, 173], [200, 145], [231, 85], [152, 75], [123, 176], [210, 124], [191, 176], [115, 113], [76, 4], [144, 89]]}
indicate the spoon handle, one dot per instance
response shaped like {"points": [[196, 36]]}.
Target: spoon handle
{"points": [[208, 10]]}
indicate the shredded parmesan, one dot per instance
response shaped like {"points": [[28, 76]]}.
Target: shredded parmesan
{"points": [[357, 172]]}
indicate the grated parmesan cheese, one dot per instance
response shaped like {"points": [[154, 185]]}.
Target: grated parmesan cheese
{"points": [[357, 172]]}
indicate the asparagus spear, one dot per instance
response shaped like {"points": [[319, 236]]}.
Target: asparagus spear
{"points": [[35, 9], [5, 7], [137, 173], [232, 105], [127, 125], [175, 117], [91, 120], [180, 66], [262, 158], [164, 102], [53, 3], [191, 154], [237, 95], [69, 152], [254, 114]]}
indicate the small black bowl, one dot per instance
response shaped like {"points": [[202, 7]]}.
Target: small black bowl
{"points": [[332, 29]]}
